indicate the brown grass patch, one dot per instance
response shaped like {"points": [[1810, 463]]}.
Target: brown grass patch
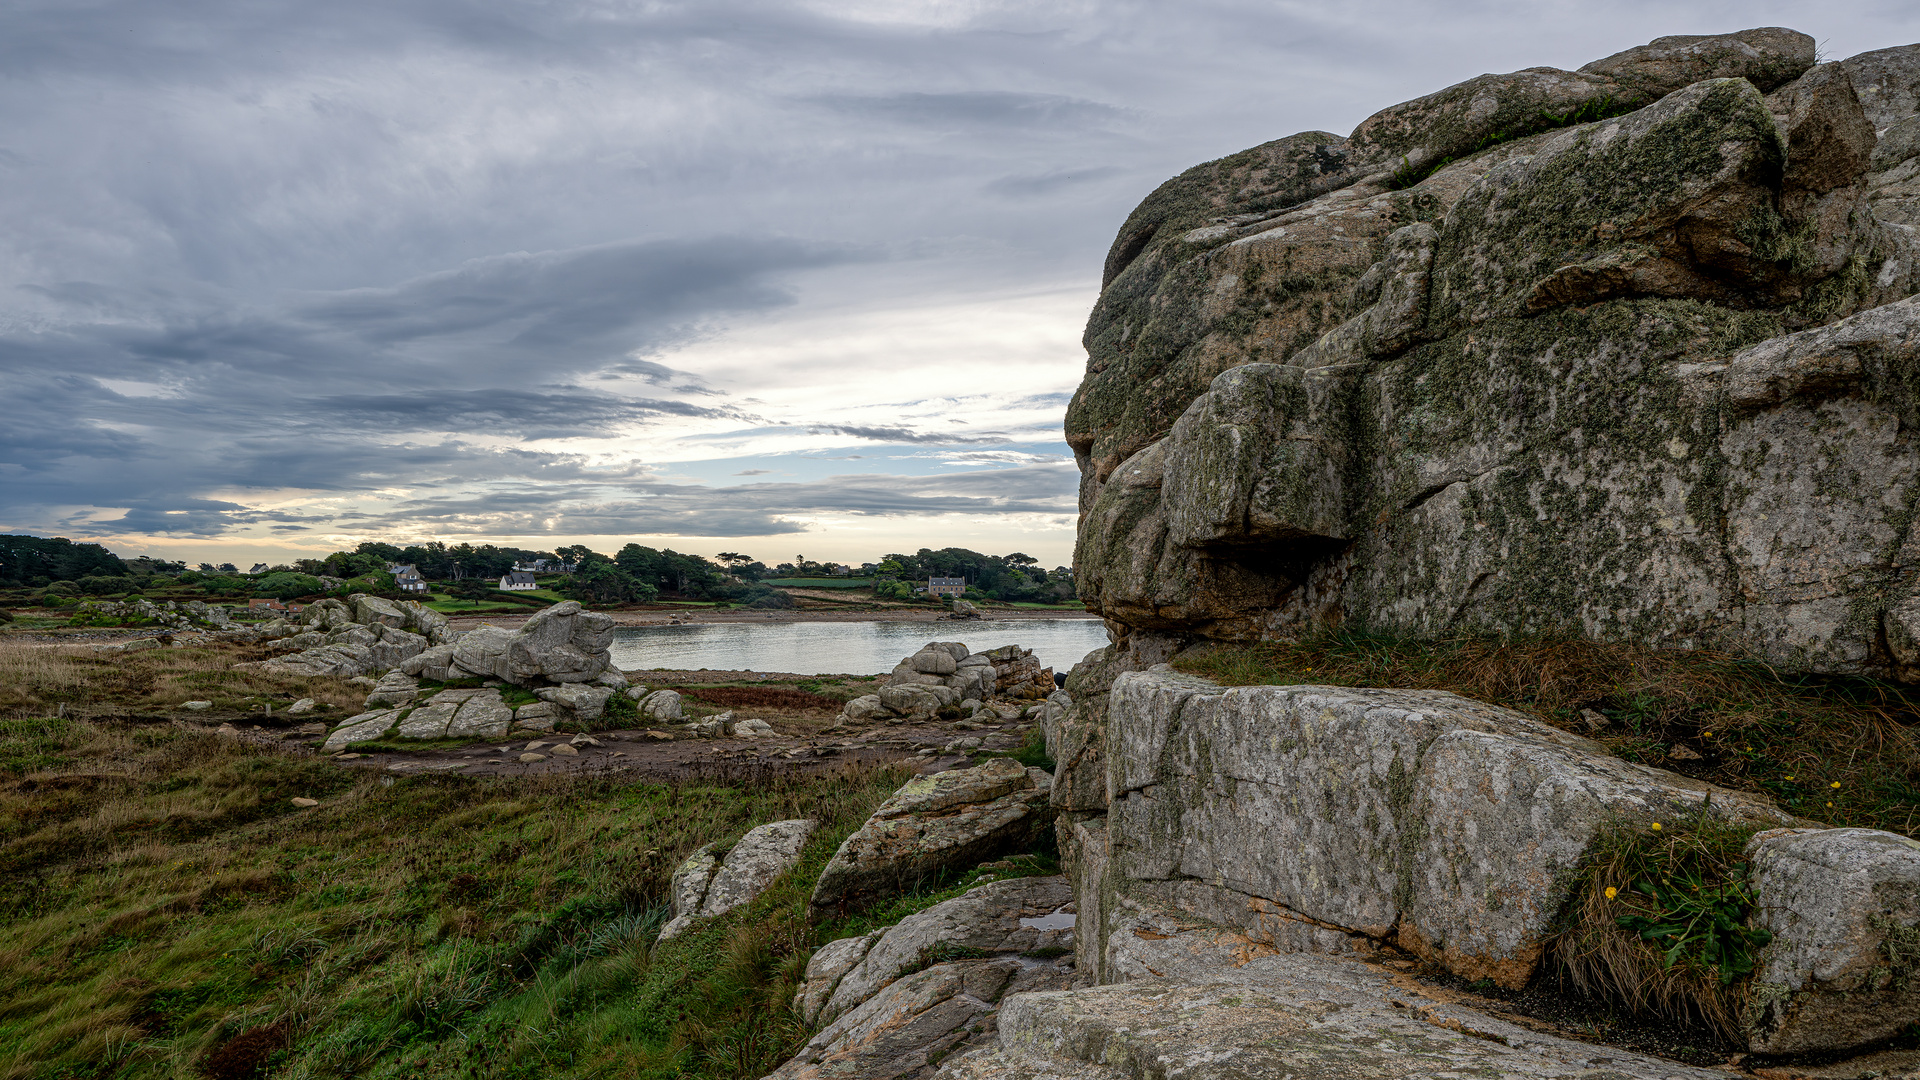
{"points": [[37, 679], [1727, 720], [762, 697]]}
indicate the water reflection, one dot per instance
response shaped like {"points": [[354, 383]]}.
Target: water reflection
{"points": [[844, 648]]}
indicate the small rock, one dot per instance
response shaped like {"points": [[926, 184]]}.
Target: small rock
{"points": [[348, 757], [528, 759], [752, 729], [304, 705], [659, 736], [535, 745], [297, 801], [198, 706], [585, 740], [1682, 753], [1593, 720], [566, 749], [361, 680]]}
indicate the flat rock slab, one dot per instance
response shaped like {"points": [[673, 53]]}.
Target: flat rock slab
{"points": [[1226, 1017]]}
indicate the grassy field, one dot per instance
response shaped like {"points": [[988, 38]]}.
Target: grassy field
{"points": [[38, 679], [169, 912], [820, 583]]}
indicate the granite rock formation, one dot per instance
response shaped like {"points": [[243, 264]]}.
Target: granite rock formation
{"points": [[1626, 352]]}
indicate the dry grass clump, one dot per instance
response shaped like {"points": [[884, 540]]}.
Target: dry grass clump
{"points": [[1845, 751], [1656, 921], [39, 679]]}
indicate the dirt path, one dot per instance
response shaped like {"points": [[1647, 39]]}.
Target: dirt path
{"points": [[648, 756]]}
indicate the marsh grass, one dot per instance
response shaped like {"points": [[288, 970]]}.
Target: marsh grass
{"points": [[1842, 751], [37, 679], [165, 911]]}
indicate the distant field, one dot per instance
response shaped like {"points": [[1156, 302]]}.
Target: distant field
{"points": [[820, 582]]}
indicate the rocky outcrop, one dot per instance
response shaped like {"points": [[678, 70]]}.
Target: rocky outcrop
{"points": [[909, 1027], [1209, 1005], [933, 823], [711, 883], [1321, 819], [565, 643], [946, 674], [1015, 917], [1641, 378], [1335, 821], [362, 635]]}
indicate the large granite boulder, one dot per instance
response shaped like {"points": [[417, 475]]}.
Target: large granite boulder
{"points": [[709, 883], [1493, 396], [934, 823], [562, 644], [1323, 819]]}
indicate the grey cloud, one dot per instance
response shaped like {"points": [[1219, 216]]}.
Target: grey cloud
{"points": [[986, 108], [1040, 185], [753, 472], [904, 435]]}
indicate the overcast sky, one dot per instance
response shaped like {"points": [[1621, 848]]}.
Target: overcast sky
{"points": [[782, 278]]}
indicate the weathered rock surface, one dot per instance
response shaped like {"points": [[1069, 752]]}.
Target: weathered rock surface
{"points": [[704, 886], [944, 674], [907, 1028], [563, 644], [1843, 968], [1466, 404], [362, 635], [947, 819], [661, 705], [1320, 819], [1016, 916], [1212, 1006]]}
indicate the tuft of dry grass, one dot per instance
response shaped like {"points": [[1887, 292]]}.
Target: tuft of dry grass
{"points": [[1687, 879], [763, 697], [1720, 718]]}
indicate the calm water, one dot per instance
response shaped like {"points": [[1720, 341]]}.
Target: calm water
{"points": [[844, 648]]}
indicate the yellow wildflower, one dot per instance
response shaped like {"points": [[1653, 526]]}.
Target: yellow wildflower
{"points": [[1656, 826], [1612, 892], [1835, 784]]}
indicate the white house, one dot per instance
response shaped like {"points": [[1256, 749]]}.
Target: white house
{"points": [[518, 581], [407, 579]]}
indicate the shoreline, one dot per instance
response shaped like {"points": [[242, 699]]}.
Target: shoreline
{"points": [[698, 616]]}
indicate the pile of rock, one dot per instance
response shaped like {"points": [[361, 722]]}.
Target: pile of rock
{"points": [[359, 636], [194, 614], [946, 674], [559, 656]]}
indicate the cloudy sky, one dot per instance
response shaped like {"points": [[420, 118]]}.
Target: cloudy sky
{"points": [[277, 276]]}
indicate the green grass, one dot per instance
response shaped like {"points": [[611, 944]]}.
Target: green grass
{"points": [[1841, 751], [1656, 921], [167, 913], [820, 583]]}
